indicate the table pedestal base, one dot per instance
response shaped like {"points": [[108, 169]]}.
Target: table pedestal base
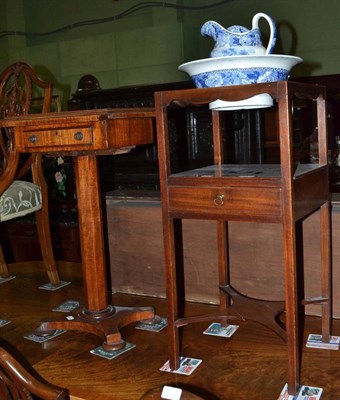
{"points": [[103, 323]]}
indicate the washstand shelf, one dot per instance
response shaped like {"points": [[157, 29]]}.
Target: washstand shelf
{"points": [[284, 193]]}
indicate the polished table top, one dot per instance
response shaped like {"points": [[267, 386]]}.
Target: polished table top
{"points": [[82, 131]]}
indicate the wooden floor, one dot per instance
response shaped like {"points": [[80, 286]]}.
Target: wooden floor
{"points": [[251, 365]]}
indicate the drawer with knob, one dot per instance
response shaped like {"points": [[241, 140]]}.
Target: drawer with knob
{"points": [[225, 202], [82, 132], [58, 137]]}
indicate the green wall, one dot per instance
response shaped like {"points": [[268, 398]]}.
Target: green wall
{"points": [[146, 46]]}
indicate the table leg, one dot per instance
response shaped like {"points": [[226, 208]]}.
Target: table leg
{"points": [[171, 291], [223, 262], [291, 302], [326, 273], [98, 316]]}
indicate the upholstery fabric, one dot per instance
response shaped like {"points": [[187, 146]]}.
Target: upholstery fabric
{"points": [[19, 199]]}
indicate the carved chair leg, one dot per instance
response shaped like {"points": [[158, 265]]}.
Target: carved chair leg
{"points": [[44, 235], [4, 273]]}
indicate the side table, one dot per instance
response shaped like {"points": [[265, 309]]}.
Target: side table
{"points": [[84, 135], [284, 193]]}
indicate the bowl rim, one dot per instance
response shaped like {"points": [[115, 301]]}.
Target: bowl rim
{"points": [[249, 61]]}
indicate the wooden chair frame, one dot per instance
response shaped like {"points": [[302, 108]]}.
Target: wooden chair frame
{"points": [[18, 83], [19, 381]]}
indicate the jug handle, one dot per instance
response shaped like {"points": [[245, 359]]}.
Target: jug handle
{"points": [[272, 37]]}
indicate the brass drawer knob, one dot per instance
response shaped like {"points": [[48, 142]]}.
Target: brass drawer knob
{"points": [[79, 136], [219, 200], [33, 139]]}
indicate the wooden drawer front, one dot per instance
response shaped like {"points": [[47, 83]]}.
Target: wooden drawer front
{"points": [[58, 137], [230, 202]]}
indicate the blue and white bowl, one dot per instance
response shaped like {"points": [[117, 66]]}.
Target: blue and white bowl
{"points": [[239, 70]]}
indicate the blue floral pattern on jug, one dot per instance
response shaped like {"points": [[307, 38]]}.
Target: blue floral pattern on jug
{"points": [[238, 40], [239, 76]]}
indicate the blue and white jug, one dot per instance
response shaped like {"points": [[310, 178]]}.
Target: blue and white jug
{"points": [[238, 40]]}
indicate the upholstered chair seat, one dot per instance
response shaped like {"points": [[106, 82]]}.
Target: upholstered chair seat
{"points": [[21, 198]]}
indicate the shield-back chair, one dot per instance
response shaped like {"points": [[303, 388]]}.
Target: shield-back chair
{"points": [[19, 85]]}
